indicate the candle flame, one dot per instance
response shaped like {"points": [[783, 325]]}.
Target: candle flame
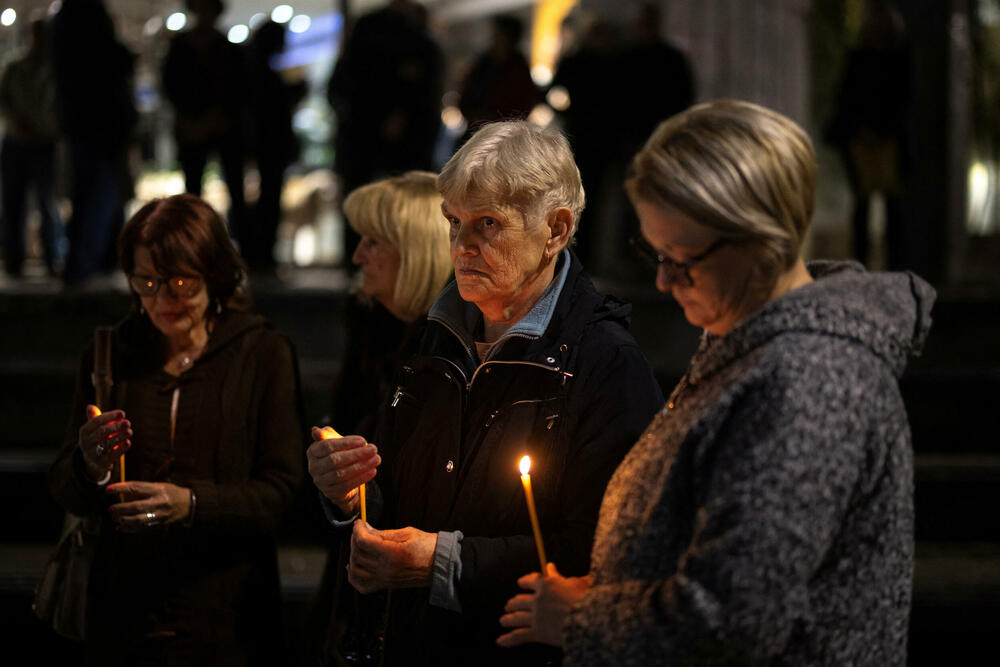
{"points": [[329, 433], [525, 465]]}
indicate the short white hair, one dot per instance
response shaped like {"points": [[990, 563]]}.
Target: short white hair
{"points": [[515, 164]]}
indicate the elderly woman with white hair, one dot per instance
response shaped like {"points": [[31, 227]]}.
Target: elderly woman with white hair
{"points": [[521, 356], [766, 514]]}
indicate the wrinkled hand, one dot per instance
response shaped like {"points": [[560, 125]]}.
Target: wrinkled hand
{"points": [[338, 466], [148, 504], [539, 616], [382, 559], [102, 439]]}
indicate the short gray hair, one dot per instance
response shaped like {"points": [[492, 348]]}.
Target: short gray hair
{"points": [[743, 170], [515, 164]]}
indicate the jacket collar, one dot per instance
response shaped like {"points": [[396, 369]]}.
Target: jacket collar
{"points": [[462, 318], [577, 304]]}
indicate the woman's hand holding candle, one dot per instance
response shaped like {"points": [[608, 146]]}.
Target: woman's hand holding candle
{"points": [[539, 616], [148, 504], [103, 438], [339, 465], [384, 559]]}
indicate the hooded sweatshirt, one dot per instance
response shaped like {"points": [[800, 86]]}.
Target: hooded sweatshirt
{"points": [[205, 590], [766, 514]]}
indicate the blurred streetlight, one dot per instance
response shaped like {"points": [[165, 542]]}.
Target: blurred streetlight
{"points": [[238, 33], [176, 21], [282, 13]]}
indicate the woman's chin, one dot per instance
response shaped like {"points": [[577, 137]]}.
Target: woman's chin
{"points": [[173, 326], [472, 289]]}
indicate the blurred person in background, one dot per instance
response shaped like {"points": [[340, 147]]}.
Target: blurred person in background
{"points": [[96, 111], [766, 514], [205, 79], [869, 127], [386, 93], [498, 86], [206, 409], [656, 76], [404, 261], [27, 156], [521, 354], [275, 146]]}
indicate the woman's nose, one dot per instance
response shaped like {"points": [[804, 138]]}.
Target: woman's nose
{"points": [[358, 256], [664, 279], [464, 241]]}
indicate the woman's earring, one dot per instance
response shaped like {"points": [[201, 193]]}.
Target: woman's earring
{"points": [[142, 309], [218, 307]]}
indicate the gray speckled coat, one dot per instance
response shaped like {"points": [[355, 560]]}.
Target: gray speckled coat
{"points": [[768, 516]]}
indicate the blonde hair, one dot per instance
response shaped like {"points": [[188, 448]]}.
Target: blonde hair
{"points": [[515, 164], [743, 170], [406, 212]]}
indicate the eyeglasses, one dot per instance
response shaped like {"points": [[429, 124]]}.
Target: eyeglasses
{"points": [[181, 286], [676, 272]]}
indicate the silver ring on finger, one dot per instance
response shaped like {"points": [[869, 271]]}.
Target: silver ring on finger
{"points": [[151, 519]]}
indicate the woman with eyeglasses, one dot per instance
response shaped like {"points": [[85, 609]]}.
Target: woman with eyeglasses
{"points": [[206, 409], [766, 514]]}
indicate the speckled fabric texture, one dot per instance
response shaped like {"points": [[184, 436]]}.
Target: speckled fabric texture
{"points": [[767, 517]]}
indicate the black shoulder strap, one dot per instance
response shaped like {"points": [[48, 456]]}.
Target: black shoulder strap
{"points": [[102, 378]]}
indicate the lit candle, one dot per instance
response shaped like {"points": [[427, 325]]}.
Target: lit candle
{"points": [[526, 481], [328, 434]]}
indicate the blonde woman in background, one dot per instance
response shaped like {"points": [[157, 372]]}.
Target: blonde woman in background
{"points": [[404, 259]]}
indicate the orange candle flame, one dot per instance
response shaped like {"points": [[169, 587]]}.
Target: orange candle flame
{"points": [[525, 465]]}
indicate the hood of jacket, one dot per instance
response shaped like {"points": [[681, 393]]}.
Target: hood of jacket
{"points": [[138, 336], [578, 306], [889, 313]]}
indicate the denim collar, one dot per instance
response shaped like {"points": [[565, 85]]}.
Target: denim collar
{"points": [[463, 318]]}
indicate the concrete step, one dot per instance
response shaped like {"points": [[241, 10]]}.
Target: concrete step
{"points": [[955, 612]]}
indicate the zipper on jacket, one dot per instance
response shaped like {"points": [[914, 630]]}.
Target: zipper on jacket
{"points": [[398, 395], [468, 350], [489, 364]]}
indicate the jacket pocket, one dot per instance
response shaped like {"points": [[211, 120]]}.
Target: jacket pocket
{"points": [[525, 427]]}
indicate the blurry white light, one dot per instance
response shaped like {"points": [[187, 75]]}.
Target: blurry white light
{"points": [[541, 115], [176, 21], [452, 118], [300, 23], [282, 13], [152, 26], [8, 16], [238, 33], [55, 7], [256, 20], [306, 120], [541, 75], [304, 246], [979, 196], [558, 98]]}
